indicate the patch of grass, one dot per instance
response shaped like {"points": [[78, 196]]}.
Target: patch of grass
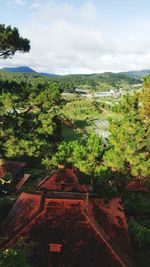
{"points": [[86, 127], [80, 110], [70, 133]]}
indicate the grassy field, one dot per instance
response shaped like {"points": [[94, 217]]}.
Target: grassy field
{"points": [[82, 112]]}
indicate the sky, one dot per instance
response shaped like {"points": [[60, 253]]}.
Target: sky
{"points": [[80, 36]]}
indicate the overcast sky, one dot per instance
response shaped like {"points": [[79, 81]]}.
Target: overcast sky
{"points": [[79, 36]]}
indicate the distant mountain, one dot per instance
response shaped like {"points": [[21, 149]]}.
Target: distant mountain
{"points": [[23, 69], [26, 69], [137, 74]]}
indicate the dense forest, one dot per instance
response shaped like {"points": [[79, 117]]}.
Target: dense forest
{"points": [[91, 82]]}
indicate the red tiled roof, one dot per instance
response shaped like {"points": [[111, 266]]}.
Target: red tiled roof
{"points": [[83, 229], [26, 205], [89, 231], [64, 180], [22, 181]]}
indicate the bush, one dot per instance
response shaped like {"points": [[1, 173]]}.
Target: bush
{"points": [[12, 258], [140, 234], [104, 182], [140, 238]]}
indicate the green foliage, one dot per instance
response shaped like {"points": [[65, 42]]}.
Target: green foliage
{"points": [[140, 233], [11, 42], [140, 238], [13, 258], [145, 103], [130, 138], [18, 254], [70, 133], [29, 116], [104, 182], [137, 209], [96, 82], [6, 178], [81, 109], [136, 204], [81, 113], [85, 154]]}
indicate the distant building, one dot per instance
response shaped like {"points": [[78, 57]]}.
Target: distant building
{"points": [[81, 91]]}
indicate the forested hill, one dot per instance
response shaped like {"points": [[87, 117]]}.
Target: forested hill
{"points": [[102, 81], [92, 82], [139, 74]]}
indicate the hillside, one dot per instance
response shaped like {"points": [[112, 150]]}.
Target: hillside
{"points": [[105, 75], [139, 74], [99, 82]]}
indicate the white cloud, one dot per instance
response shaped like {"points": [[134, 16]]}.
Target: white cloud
{"points": [[20, 2], [17, 2], [70, 39], [35, 6]]}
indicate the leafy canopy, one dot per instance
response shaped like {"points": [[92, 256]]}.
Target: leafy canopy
{"points": [[129, 152], [29, 117], [11, 42], [85, 154]]}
